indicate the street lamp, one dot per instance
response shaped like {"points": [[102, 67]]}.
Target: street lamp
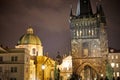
{"points": [[113, 65], [101, 77], [43, 67]]}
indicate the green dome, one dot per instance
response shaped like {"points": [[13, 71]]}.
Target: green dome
{"points": [[29, 38]]}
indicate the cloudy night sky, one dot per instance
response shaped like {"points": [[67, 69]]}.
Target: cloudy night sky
{"points": [[50, 21]]}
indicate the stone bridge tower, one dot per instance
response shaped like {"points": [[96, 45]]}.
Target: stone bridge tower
{"points": [[89, 44]]}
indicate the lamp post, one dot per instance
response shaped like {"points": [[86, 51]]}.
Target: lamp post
{"points": [[101, 77], [43, 67], [113, 65]]}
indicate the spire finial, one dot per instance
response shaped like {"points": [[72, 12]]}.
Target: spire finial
{"points": [[71, 10], [78, 8], [30, 30]]}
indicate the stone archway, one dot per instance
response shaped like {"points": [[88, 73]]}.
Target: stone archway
{"points": [[88, 71]]}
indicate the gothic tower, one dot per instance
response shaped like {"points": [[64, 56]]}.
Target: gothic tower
{"points": [[88, 40]]}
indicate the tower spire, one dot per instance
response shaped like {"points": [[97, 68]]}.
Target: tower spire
{"points": [[84, 8], [101, 12], [78, 9], [71, 13]]}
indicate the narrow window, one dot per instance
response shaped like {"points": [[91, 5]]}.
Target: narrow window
{"points": [[33, 50], [1, 58]]}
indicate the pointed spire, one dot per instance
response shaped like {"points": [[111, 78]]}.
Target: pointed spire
{"points": [[101, 12], [84, 8], [71, 13], [78, 9]]}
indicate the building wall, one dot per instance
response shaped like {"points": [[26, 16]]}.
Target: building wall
{"points": [[34, 49], [14, 65], [114, 58]]}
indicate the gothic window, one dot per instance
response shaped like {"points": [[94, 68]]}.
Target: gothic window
{"points": [[89, 32], [92, 32], [80, 32], [85, 45], [77, 33], [85, 49]]}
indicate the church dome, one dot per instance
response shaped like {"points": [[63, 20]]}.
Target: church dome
{"points": [[29, 38]]}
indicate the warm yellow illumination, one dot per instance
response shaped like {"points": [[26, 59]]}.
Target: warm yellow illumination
{"points": [[118, 74], [112, 57], [92, 32], [117, 65], [66, 65], [112, 65], [77, 33], [80, 32], [43, 67], [101, 75], [89, 31], [116, 56]]}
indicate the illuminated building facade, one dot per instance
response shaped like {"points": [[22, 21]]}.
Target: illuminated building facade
{"points": [[114, 60], [31, 42], [25, 62], [66, 68], [88, 41], [14, 64]]}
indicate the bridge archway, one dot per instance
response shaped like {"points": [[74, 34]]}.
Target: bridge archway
{"points": [[88, 71]]}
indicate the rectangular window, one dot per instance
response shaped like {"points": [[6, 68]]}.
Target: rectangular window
{"points": [[0, 69], [118, 74], [13, 79], [13, 69], [116, 56], [117, 65], [14, 58], [112, 56], [85, 51], [1, 58]]}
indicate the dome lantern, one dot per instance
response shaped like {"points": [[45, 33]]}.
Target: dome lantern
{"points": [[30, 30], [29, 38]]}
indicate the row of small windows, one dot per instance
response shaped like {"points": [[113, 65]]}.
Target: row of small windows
{"points": [[85, 32], [114, 57], [116, 74], [13, 69], [86, 23], [13, 58]]}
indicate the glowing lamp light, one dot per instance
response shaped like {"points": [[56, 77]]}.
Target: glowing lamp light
{"points": [[101, 75], [112, 65], [43, 67], [66, 64]]}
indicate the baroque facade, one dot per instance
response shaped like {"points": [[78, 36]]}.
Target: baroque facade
{"points": [[26, 61], [88, 41]]}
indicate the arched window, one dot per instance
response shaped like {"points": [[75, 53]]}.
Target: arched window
{"points": [[33, 50]]}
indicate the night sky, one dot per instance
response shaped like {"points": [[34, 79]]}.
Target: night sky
{"points": [[50, 21]]}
